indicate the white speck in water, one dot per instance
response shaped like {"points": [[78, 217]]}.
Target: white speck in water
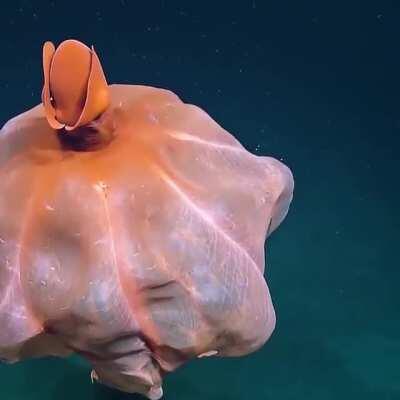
{"points": [[43, 282]]}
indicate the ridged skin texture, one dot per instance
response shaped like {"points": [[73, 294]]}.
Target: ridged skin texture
{"points": [[140, 254]]}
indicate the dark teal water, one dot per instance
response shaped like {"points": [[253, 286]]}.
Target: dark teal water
{"points": [[314, 83]]}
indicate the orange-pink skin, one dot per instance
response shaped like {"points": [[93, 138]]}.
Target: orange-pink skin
{"points": [[75, 90], [140, 254]]}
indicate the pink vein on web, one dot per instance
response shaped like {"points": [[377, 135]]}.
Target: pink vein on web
{"points": [[184, 136], [205, 217]]}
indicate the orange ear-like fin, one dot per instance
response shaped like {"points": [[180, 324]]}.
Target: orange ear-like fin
{"points": [[97, 95], [50, 112]]}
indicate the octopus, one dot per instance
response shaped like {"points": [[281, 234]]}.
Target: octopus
{"points": [[132, 229]]}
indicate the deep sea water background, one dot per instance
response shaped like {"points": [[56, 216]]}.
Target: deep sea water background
{"points": [[314, 83]]}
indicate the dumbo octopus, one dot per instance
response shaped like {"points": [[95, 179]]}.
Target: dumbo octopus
{"points": [[132, 229]]}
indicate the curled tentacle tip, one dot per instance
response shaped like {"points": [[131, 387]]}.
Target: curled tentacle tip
{"points": [[155, 393], [75, 90]]}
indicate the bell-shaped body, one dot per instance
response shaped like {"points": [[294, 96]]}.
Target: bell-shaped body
{"points": [[141, 254]]}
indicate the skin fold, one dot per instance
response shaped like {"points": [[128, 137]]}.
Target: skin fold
{"points": [[132, 229]]}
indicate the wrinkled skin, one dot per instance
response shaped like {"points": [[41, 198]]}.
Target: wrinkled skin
{"points": [[141, 254]]}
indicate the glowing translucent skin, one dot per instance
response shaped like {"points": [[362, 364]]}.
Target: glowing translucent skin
{"points": [[142, 254]]}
